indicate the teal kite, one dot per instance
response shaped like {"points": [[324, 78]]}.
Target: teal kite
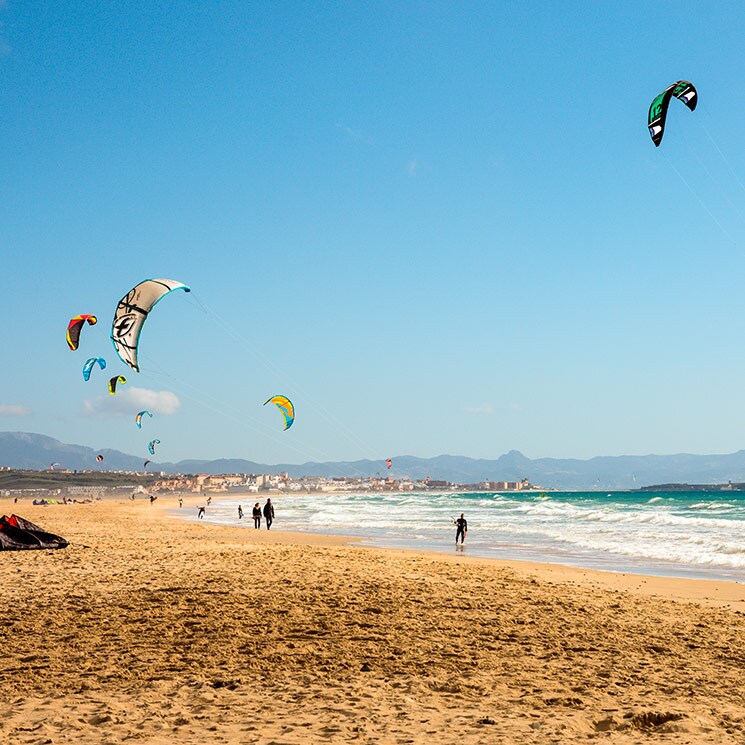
{"points": [[138, 418], [90, 364]]}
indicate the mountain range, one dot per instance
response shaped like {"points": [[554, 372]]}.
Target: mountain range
{"points": [[25, 450]]}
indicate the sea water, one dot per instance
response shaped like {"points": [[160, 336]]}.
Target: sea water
{"points": [[683, 534]]}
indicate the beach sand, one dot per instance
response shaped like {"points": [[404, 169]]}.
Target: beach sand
{"points": [[156, 630]]}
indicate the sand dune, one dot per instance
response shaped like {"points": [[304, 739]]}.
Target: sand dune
{"points": [[154, 630]]}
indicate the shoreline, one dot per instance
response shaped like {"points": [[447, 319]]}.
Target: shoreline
{"points": [[713, 592], [640, 579]]}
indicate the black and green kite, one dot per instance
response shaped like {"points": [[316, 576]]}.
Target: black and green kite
{"points": [[682, 90]]}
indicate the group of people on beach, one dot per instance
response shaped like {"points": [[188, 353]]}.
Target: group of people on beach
{"points": [[257, 511], [267, 512]]}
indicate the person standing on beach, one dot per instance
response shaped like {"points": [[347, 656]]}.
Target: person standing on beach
{"points": [[257, 516], [200, 512], [180, 502], [240, 512], [462, 528], [269, 513]]}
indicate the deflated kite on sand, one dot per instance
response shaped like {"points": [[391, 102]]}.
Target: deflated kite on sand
{"points": [[17, 534]]}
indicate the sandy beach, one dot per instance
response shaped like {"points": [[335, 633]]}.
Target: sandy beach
{"points": [[156, 630]]}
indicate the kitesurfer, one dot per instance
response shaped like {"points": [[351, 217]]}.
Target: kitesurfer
{"points": [[257, 516], [200, 512], [240, 512], [462, 528], [269, 513]]}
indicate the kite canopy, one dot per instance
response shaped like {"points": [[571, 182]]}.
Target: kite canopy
{"points": [[144, 465], [138, 418], [17, 534], [113, 382], [388, 463], [99, 458], [131, 313], [682, 90], [90, 364], [285, 406], [54, 464], [151, 447], [75, 326]]}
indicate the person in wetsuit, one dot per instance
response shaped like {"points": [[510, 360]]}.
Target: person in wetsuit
{"points": [[268, 513], [462, 528], [257, 516]]}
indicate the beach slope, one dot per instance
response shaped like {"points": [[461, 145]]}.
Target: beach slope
{"points": [[156, 630]]}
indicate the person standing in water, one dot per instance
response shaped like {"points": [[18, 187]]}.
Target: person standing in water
{"points": [[462, 528], [257, 516], [240, 512], [268, 513]]}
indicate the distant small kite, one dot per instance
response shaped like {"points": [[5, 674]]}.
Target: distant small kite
{"points": [[90, 364], [99, 458], [144, 465], [388, 463], [54, 464], [138, 418], [151, 446], [113, 383], [285, 406], [75, 326]]}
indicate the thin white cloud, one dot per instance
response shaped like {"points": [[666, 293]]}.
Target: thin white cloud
{"points": [[14, 410], [484, 409], [128, 401], [355, 134]]}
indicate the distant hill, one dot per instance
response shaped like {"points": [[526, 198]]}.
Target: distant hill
{"points": [[25, 450], [33, 451]]}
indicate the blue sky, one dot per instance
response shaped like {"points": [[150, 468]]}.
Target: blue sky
{"points": [[439, 228]]}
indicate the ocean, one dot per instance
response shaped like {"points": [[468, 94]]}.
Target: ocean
{"points": [[680, 534]]}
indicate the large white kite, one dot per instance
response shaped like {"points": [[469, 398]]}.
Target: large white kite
{"points": [[131, 313]]}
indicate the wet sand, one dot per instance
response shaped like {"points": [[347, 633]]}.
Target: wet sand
{"points": [[156, 630]]}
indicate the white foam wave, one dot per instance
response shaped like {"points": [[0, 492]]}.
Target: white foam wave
{"points": [[601, 531]]}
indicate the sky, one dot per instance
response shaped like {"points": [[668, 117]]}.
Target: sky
{"points": [[437, 227]]}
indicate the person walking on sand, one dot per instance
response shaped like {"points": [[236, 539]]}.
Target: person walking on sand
{"points": [[240, 512], [268, 513], [257, 516], [462, 528], [200, 512], [180, 502]]}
